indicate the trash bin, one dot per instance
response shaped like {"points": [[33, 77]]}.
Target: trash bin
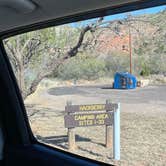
{"points": [[124, 81]]}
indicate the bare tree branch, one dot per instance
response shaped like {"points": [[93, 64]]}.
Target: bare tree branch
{"points": [[31, 47]]}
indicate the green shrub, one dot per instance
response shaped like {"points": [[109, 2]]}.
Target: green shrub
{"points": [[145, 70], [116, 63], [82, 68]]}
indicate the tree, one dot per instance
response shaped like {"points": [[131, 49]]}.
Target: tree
{"points": [[20, 53], [24, 49]]}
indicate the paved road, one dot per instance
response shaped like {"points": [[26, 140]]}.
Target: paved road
{"points": [[139, 95], [151, 98]]}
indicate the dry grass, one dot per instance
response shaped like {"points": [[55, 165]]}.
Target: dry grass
{"points": [[142, 138]]}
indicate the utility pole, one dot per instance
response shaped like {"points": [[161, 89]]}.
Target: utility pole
{"points": [[130, 50], [129, 43]]}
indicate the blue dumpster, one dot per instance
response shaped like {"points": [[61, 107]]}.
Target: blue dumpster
{"points": [[124, 81]]}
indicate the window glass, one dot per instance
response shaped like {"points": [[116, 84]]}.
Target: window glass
{"points": [[113, 59]]}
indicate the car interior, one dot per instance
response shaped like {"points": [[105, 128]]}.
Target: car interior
{"points": [[1, 143], [18, 146]]}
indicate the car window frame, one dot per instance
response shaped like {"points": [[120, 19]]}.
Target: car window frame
{"points": [[127, 7]]}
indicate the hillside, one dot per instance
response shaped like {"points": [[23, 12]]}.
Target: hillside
{"points": [[146, 31], [148, 43]]}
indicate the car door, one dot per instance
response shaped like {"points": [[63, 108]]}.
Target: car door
{"points": [[20, 147]]}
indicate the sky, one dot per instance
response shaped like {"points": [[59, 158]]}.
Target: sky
{"points": [[138, 12], [123, 15]]}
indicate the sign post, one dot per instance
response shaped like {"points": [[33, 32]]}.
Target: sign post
{"points": [[116, 134], [71, 134], [107, 114], [108, 131]]}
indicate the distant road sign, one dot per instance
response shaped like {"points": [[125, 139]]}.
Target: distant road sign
{"points": [[92, 119]]}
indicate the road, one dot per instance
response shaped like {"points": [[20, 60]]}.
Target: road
{"points": [[151, 98]]}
